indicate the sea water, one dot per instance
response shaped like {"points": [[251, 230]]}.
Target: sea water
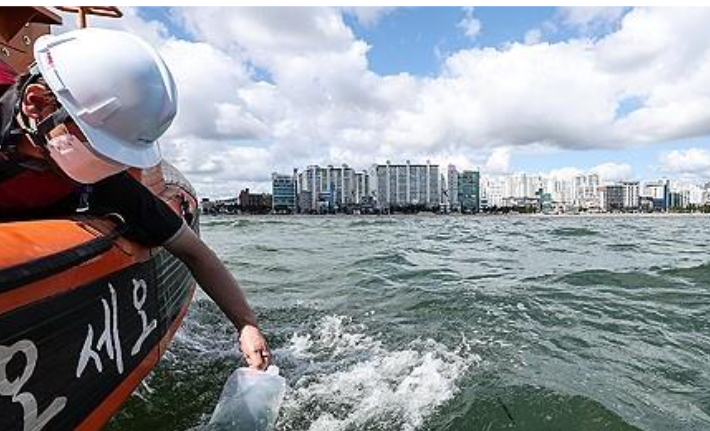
{"points": [[455, 324]]}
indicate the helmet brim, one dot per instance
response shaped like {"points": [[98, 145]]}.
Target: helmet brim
{"points": [[145, 156]]}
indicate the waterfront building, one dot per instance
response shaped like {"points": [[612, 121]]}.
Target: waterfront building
{"points": [[220, 206], [522, 185], [631, 194], [469, 191], [623, 196], [443, 194], [311, 187], [692, 194], [362, 187], [492, 191], [254, 202], [402, 186], [646, 204], [304, 201], [283, 191], [207, 206], [453, 188], [330, 188], [546, 204], [658, 192], [585, 191], [612, 197], [676, 201], [561, 193]]}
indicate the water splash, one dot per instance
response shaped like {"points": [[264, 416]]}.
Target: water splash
{"points": [[354, 382]]}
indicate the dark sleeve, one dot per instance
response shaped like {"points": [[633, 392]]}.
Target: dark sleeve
{"points": [[150, 221]]}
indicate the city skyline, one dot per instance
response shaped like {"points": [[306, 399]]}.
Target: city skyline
{"points": [[561, 175], [412, 188], [409, 187], [624, 90]]}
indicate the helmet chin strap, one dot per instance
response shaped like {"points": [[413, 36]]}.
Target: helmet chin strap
{"points": [[38, 132], [41, 130]]}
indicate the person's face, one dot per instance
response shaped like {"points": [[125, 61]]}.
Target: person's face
{"points": [[66, 144]]}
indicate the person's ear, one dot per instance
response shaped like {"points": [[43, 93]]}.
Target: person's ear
{"points": [[37, 102]]}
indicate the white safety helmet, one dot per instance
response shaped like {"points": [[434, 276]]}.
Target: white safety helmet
{"points": [[115, 87]]}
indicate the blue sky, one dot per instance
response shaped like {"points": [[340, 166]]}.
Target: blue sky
{"points": [[506, 89], [408, 39]]}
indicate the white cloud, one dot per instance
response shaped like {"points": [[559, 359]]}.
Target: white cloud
{"points": [[690, 161], [469, 24], [613, 171], [566, 174], [532, 36], [589, 19], [368, 16], [567, 94], [209, 95], [322, 103], [269, 34], [498, 162]]}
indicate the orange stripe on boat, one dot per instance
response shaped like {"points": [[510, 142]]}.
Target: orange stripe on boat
{"points": [[33, 240]]}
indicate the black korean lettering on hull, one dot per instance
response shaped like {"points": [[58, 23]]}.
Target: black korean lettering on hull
{"points": [[62, 356]]}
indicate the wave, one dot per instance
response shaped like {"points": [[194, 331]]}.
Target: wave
{"points": [[602, 277], [215, 221], [373, 222], [532, 409], [384, 260], [573, 232], [624, 247], [349, 380], [698, 274], [245, 221]]}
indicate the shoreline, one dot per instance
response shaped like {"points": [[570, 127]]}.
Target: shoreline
{"points": [[480, 215]]}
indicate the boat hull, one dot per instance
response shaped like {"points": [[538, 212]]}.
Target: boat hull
{"points": [[84, 351], [85, 315]]}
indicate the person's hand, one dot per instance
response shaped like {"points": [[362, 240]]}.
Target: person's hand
{"points": [[254, 347]]}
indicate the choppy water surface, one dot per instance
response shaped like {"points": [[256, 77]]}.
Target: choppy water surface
{"points": [[456, 323]]}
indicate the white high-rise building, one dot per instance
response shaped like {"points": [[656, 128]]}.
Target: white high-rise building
{"points": [[523, 186], [453, 189], [493, 189], [691, 194], [405, 185], [560, 190], [655, 189], [362, 187], [585, 191], [631, 194], [332, 187]]}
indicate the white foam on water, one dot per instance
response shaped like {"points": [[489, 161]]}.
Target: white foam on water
{"points": [[353, 381]]}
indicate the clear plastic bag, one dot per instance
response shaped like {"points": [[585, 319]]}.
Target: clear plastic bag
{"points": [[250, 401]]}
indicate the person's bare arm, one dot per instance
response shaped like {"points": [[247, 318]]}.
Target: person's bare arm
{"points": [[216, 280]]}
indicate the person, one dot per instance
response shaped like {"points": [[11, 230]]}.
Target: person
{"points": [[7, 77], [92, 106]]}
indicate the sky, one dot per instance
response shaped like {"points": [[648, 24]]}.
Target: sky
{"points": [[624, 92]]}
